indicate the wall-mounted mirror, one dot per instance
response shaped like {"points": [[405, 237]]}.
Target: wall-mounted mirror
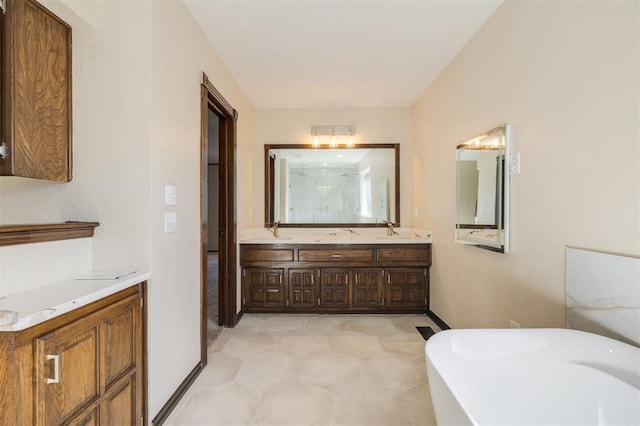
{"points": [[307, 186], [482, 190]]}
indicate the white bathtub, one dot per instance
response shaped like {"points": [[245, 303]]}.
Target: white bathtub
{"points": [[532, 377]]}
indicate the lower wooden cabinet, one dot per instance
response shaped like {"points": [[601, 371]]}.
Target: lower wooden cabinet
{"points": [[296, 278], [368, 288], [82, 368], [301, 288]]}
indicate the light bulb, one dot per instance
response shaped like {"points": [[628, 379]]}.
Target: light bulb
{"points": [[333, 139]]}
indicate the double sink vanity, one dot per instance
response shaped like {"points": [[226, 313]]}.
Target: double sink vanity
{"points": [[341, 271]]}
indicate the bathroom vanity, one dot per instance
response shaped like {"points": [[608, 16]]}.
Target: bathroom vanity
{"points": [[359, 277], [72, 352]]}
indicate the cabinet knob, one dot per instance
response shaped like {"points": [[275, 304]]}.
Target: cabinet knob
{"points": [[56, 369]]}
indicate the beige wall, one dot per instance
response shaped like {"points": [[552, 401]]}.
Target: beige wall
{"points": [[565, 75], [180, 55], [291, 126], [137, 68]]}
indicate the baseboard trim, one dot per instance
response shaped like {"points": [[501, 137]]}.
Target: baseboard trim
{"points": [[443, 325], [238, 317], [171, 404]]}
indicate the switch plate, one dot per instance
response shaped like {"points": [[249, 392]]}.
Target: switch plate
{"points": [[514, 164], [170, 195], [170, 222]]}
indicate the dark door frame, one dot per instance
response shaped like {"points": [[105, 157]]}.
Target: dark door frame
{"points": [[212, 100]]}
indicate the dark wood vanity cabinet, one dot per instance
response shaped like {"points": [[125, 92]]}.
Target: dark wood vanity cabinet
{"points": [[298, 278], [35, 106]]}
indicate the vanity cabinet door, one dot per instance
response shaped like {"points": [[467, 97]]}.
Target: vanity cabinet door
{"points": [[406, 288], [301, 288], [92, 368], [67, 372], [263, 288], [85, 367], [36, 93], [368, 288], [334, 288]]}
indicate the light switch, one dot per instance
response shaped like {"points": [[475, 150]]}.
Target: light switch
{"points": [[170, 195], [170, 222]]}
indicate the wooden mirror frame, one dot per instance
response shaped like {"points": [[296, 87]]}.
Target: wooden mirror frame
{"points": [[269, 212]]}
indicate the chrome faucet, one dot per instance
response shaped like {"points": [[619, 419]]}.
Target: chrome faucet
{"points": [[274, 229], [390, 231]]}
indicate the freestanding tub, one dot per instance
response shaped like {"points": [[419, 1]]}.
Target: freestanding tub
{"points": [[532, 377]]}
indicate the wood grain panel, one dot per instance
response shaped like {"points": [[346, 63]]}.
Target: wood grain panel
{"points": [[119, 405], [41, 102], [118, 338], [269, 254], [78, 373], [335, 255], [421, 254], [38, 233]]}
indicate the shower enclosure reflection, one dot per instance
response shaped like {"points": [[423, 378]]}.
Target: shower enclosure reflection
{"points": [[311, 186]]}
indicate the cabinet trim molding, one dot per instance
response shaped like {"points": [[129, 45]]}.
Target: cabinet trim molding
{"points": [[38, 233]]}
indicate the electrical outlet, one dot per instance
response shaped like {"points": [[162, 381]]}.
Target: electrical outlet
{"points": [[514, 164], [514, 324]]}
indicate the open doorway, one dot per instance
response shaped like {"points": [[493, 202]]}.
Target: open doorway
{"points": [[211, 216], [218, 214]]}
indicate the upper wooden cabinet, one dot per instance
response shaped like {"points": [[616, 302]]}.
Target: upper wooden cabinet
{"points": [[36, 93]]}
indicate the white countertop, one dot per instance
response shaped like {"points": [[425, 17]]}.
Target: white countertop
{"points": [[335, 236], [22, 310]]}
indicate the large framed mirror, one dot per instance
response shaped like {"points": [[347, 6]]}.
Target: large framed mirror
{"points": [[482, 190], [308, 186]]}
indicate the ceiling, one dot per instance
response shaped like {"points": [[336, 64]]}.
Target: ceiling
{"points": [[338, 53]]}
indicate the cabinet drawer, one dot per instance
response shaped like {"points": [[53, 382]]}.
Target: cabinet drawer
{"points": [[420, 254], [249, 255], [337, 255]]}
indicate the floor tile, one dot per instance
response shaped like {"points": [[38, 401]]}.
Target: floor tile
{"points": [[313, 370]]}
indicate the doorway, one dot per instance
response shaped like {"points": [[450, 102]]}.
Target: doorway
{"points": [[211, 216], [218, 214]]}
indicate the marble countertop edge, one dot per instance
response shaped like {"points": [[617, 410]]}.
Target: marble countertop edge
{"points": [[19, 311]]}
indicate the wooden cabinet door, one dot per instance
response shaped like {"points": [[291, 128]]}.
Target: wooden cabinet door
{"points": [[36, 93], [405, 288], [334, 288], [122, 370], [118, 406], [368, 289], [301, 288], [67, 372], [263, 288]]}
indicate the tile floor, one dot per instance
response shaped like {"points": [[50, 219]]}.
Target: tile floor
{"points": [[313, 370]]}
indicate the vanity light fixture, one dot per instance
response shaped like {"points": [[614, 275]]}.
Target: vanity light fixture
{"points": [[333, 136]]}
